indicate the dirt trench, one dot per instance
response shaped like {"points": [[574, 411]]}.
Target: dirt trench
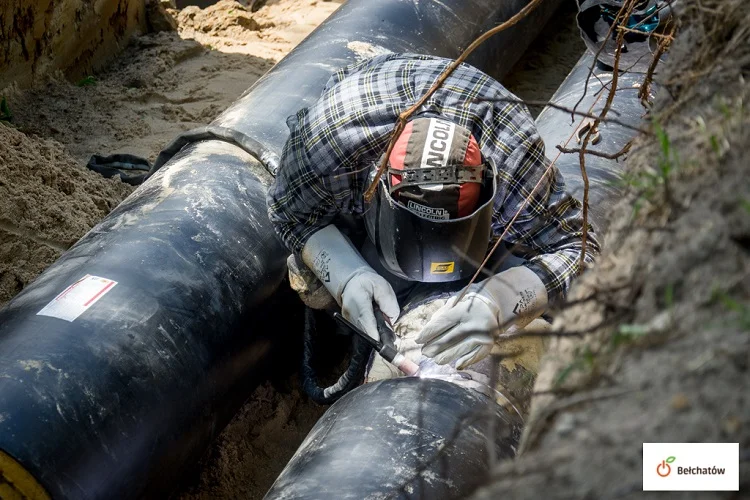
{"points": [[665, 356], [679, 265]]}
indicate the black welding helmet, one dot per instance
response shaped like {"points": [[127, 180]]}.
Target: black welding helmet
{"points": [[596, 17], [431, 216]]}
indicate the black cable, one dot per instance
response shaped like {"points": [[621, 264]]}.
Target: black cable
{"points": [[350, 379], [109, 166]]}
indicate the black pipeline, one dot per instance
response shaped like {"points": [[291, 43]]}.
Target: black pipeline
{"points": [[399, 438], [164, 317], [557, 128]]}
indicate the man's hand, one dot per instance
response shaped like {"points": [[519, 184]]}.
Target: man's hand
{"points": [[464, 331], [461, 332], [351, 281], [357, 301]]}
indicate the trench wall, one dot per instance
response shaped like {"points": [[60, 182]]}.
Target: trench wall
{"points": [[38, 37]]}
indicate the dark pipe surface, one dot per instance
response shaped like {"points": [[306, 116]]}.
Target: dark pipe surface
{"points": [[557, 128], [373, 441], [116, 402], [94, 406]]}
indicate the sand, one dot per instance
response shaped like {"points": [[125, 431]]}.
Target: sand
{"points": [[256, 445], [270, 32], [47, 202], [162, 84]]}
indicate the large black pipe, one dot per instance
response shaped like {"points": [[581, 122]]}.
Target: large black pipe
{"points": [[362, 28], [115, 402], [559, 127], [399, 438], [102, 405]]}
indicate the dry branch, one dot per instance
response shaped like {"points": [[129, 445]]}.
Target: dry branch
{"points": [[596, 58], [660, 50], [600, 154], [624, 13], [560, 107]]}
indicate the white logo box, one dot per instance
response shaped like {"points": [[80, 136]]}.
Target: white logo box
{"points": [[691, 466]]}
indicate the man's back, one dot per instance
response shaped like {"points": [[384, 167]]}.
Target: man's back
{"points": [[338, 139], [352, 121]]}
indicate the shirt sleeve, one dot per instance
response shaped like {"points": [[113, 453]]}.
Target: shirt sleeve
{"points": [[299, 202], [549, 229], [302, 200]]}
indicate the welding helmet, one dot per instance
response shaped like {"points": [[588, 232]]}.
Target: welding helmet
{"points": [[431, 216], [596, 17]]}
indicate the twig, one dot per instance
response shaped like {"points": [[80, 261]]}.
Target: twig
{"points": [[515, 216], [596, 57], [505, 232], [403, 117], [567, 403], [660, 50], [660, 36], [593, 396], [491, 420], [624, 13], [600, 154], [500, 334], [571, 333]]}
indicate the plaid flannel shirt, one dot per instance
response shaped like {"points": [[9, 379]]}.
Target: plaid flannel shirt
{"points": [[334, 143]]}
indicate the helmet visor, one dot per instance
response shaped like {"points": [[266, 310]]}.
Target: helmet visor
{"points": [[414, 244]]}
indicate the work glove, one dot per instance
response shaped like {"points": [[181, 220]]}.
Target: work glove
{"points": [[350, 280], [463, 331]]}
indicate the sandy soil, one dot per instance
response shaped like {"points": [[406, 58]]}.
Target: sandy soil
{"points": [[47, 202], [162, 84], [252, 450], [270, 32], [165, 83]]}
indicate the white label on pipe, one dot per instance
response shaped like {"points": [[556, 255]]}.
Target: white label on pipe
{"points": [[77, 298]]}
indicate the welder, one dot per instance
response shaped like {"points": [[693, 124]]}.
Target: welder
{"points": [[468, 166]]}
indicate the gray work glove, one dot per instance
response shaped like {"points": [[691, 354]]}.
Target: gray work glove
{"points": [[350, 280], [463, 331]]}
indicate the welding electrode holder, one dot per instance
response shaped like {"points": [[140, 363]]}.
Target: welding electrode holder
{"points": [[386, 346]]}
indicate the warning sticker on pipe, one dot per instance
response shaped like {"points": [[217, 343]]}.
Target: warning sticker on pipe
{"points": [[77, 298]]}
